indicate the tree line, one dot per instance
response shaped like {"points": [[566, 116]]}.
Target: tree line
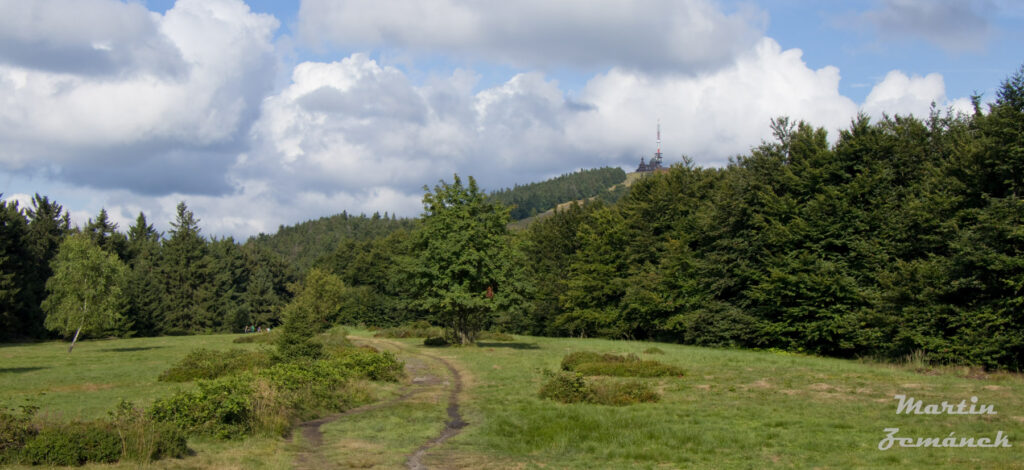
{"points": [[175, 283], [904, 236]]}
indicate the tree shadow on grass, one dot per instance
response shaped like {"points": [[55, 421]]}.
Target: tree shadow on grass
{"points": [[131, 349], [19, 370], [508, 345]]}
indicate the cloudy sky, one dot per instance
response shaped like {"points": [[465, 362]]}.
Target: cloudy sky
{"points": [[273, 112]]}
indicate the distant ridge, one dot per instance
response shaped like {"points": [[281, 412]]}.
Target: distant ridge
{"points": [[536, 198]]}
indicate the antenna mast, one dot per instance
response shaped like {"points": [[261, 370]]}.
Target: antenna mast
{"points": [[657, 155]]}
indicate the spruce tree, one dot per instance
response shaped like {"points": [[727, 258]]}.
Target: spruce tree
{"points": [[182, 266]]}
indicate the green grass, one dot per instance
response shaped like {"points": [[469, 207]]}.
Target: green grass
{"points": [[89, 382], [732, 409]]}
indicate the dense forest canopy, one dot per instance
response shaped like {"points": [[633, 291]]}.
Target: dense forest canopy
{"points": [[903, 236]]}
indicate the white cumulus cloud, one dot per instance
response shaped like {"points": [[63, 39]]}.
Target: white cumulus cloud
{"points": [[648, 34]]}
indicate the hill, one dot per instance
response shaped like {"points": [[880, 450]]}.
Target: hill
{"points": [[535, 198]]}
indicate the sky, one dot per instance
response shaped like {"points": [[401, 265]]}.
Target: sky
{"points": [[266, 113]]}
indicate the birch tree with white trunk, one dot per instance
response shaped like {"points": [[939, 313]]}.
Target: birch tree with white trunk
{"points": [[85, 291]]}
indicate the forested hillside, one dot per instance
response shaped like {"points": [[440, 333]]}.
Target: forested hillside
{"points": [[303, 243], [532, 199]]}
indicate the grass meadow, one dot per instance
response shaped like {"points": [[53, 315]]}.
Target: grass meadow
{"points": [[731, 408]]}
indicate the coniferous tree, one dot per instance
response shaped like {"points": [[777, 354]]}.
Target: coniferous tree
{"points": [[15, 263], [182, 265], [104, 233], [48, 224]]}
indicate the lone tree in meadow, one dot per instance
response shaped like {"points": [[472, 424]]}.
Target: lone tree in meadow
{"points": [[85, 289], [464, 258]]}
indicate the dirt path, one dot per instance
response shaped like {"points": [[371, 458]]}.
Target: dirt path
{"points": [[451, 428], [422, 379]]}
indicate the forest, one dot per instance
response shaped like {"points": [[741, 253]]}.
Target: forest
{"points": [[900, 236]]}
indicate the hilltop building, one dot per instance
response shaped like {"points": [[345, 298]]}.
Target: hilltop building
{"points": [[655, 164]]}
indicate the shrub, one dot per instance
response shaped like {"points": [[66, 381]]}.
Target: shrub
{"points": [[220, 407], [653, 350], [417, 329], [572, 387], [74, 443], [15, 431], [435, 341], [572, 360], [590, 363], [619, 393], [145, 440], [565, 387], [208, 364], [373, 365]]}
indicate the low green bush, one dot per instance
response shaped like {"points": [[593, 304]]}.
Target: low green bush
{"points": [[144, 439], [572, 387], [629, 365], [220, 407], [619, 393], [15, 431], [209, 364], [73, 443], [565, 387], [653, 350], [435, 341], [381, 366], [417, 329]]}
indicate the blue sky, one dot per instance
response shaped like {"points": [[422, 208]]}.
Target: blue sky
{"points": [[263, 113]]}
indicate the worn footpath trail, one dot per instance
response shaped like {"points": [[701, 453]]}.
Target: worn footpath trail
{"points": [[426, 373]]}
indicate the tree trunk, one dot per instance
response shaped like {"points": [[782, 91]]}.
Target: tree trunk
{"points": [[85, 305], [75, 339]]}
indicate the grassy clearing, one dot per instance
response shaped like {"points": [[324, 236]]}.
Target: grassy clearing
{"points": [[90, 381], [732, 409]]}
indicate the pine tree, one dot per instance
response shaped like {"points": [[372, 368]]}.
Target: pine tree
{"points": [[182, 265], [15, 263]]}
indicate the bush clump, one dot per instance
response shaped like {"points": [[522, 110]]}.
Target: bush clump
{"points": [[369, 364], [208, 364], [572, 387], [128, 435], [417, 329], [73, 443], [653, 350], [15, 432], [629, 365], [144, 439], [565, 387], [435, 341], [221, 407]]}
